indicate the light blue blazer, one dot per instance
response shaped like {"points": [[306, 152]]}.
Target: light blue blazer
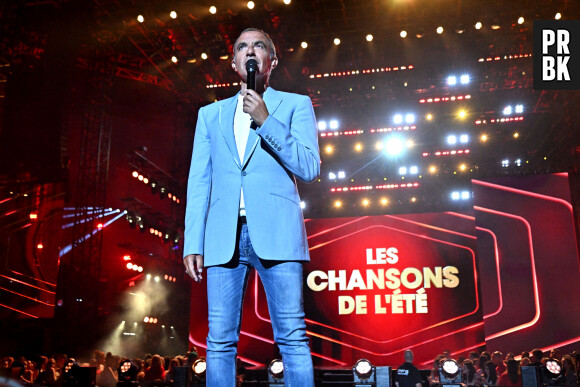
{"points": [[285, 147]]}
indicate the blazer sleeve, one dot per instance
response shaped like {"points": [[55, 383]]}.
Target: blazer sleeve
{"points": [[198, 189], [295, 144]]}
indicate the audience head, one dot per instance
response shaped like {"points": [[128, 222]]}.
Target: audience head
{"points": [[537, 355], [408, 355]]}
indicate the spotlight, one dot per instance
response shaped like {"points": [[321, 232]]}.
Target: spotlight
{"points": [[203, 56], [409, 118], [464, 139], [558, 16], [329, 149], [552, 372], [432, 169], [363, 372], [478, 25], [451, 139], [403, 34], [173, 15], [402, 171], [333, 124], [398, 119], [332, 175], [507, 110], [198, 367], [414, 170], [174, 60], [449, 372], [276, 372], [338, 204], [429, 117], [519, 108], [462, 114], [341, 174], [439, 30], [127, 373], [452, 80], [464, 79], [365, 202], [384, 201], [394, 146], [369, 38], [336, 41], [302, 204], [322, 125], [212, 9], [251, 5], [287, 2], [520, 20], [484, 138], [304, 45], [465, 195], [140, 19]]}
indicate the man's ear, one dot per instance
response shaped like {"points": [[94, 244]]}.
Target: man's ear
{"points": [[274, 63], [234, 65]]}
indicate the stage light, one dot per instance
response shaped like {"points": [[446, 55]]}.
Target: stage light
{"points": [[379, 145], [384, 201], [552, 370], [432, 169], [157, 279], [461, 114], [452, 80], [363, 371], [403, 34], [341, 174], [398, 119], [287, 2], [439, 30], [40, 246], [465, 195], [429, 117], [322, 125], [464, 139], [451, 139], [140, 177], [302, 204], [409, 118], [33, 216], [478, 25], [173, 15], [516, 135], [212, 9], [518, 162], [336, 41], [203, 56], [174, 60], [198, 367], [449, 372], [275, 371], [148, 276], [127, 373], [484, 138], [519, 108], [520, 20], [505, 163], [495, 26], [394, 146], [140, 19], [129, 265], [332, 175], [251, 5], [333, 124], [413, 170], [507, 110], [358, 147], [402, 171], [462, 167], [146, 320], [329, 149], [464, 79], [369, 38], [558, 16], [337, 204], [304, 45]]}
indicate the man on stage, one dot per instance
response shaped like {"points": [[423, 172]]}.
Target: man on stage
{"points": [[243, 210]]}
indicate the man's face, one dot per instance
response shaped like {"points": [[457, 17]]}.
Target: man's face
{"points": [[253, 45]]}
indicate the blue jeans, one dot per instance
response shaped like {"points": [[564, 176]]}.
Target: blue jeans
{"points": [[226, 286]]}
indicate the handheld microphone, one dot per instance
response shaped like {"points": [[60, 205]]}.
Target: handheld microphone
{"points": [[251, 69]]}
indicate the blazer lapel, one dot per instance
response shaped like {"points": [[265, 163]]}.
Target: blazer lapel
{"points": [[226, 118], [272, 100]]}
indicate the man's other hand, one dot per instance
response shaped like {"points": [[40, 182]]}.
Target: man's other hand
{"points": [[194, 266]]}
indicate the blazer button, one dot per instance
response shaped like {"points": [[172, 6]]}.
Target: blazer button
{"points": [[244, 173], [267, 137], [279, 149]]}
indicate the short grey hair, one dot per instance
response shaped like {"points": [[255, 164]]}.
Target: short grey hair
{"points": [[269, 40]]}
